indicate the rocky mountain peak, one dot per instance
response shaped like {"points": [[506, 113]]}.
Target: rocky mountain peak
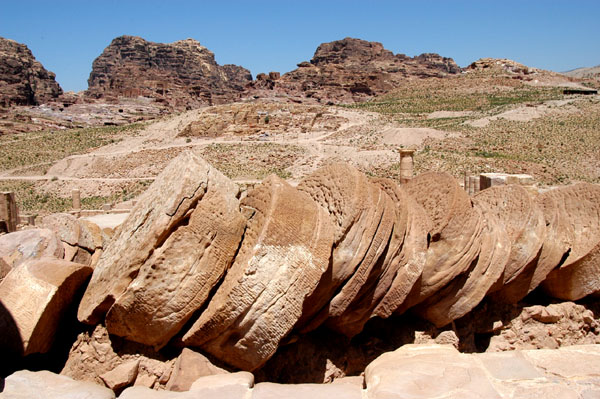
{"points": [[350, 49], [180, 74], [23, 79], [349, 70]]}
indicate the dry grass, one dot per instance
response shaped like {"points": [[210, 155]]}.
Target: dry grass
{"points": [[252, 161], [33, 199], [558, 148], [27, 149]]}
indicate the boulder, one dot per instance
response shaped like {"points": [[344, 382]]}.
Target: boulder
{"points": [[363, 216], [43, 384], [34, 297], [164, 208], [122, 375], [95, 355], [454, 234], [283, 256], [65, 226], [17, 247], [188, 367], [526, 228]]}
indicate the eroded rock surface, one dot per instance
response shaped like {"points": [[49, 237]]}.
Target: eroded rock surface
{"points": [[162, 209], [33, 298], [23, 80], [351, 70], [20, 246], [183, 73], [283, 256]]}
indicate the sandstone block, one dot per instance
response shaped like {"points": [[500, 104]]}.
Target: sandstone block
{"points": [[283, 256], [26, 384], [467, 290], [454, 234], [17, 247], [122, 375], [164, 208], [427, 371], [177, 278], [188, 367], [267, 390], [526, 228], [397, 270], [363, 216], [577, 241], [34, 297]]}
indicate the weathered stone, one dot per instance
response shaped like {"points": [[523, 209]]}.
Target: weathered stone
{"points": [[578, 242], [162, 209], [350, 70], [188, 367], [180, 73], [413, 254], [283, 256], [427, 371], [90, 235], [526, 228], [122, 375], [574, 362], [363, 216], [4, 269], [35, 296], [231, 385], [509, 366], [268, 390], [396, 270], [17, 247], [9, 212], [94, 354], [455, 231], [23, 80], [65, 226], [179, 275], [26, 384], [466, 291]]}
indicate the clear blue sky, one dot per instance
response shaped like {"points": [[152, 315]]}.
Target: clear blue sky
{"points": [[265, 36]]}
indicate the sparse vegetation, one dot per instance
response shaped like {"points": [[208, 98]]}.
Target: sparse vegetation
{"points": [[253, 161], [33, 148], [34, 199]]}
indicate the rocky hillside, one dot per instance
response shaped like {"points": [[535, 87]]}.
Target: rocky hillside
{"points": [[183, 73], [23, 80], [584, 73], [351, 70]]}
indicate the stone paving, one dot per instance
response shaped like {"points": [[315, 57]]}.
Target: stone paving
{"points": [[410, 372]]}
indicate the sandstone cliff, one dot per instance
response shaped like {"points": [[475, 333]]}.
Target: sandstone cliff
{"points": [[351, 70], [183, 73], [23, 80]]}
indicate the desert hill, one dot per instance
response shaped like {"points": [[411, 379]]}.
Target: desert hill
{"points": [[584, 73]]}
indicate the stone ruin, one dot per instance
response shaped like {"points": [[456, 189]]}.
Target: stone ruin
{"points": [[198, 265]]}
